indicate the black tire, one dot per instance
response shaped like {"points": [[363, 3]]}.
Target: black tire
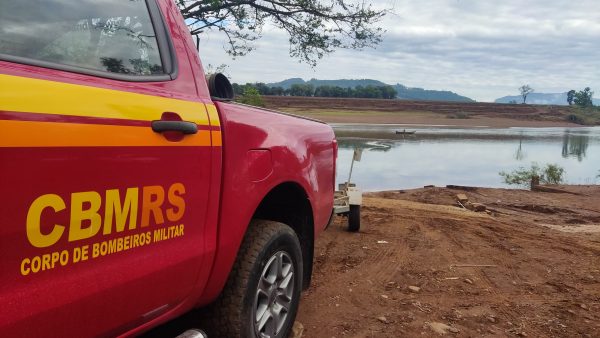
{"points": [[354, 218], [234, 312]]}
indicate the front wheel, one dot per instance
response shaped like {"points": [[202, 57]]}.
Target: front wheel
{"points": [[261, 297]]}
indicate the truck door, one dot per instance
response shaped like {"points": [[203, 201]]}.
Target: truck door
{"points": [[104, 168]]}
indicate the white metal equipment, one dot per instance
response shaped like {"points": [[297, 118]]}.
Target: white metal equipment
{"points": [[348, 198]]}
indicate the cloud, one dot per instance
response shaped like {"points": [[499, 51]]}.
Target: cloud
{"points": [[481, 49]]}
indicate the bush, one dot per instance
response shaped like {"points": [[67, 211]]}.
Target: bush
{"points": [[550, 174], [576, 119], [252, 97]]}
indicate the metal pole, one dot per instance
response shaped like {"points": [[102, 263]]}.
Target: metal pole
{"points": [[351, 166]]}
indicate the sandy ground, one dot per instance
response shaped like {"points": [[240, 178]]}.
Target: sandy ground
{"points": [[531, 268]]}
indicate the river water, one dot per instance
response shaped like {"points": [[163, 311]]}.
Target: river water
{"points": [[442, 155]]}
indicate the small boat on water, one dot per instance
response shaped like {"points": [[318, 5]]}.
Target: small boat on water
{"points": [[404, 132]]}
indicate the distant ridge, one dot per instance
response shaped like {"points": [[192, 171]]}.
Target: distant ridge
{"points": [[404, 93], [558, 99]]}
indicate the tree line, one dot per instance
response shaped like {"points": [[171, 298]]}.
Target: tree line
{"points": [[582, 98], [308, 90]]}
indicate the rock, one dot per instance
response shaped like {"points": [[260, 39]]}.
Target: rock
{"points": [[382, 242], [453, 330], [583, 306], [439, 328], [297, 330], [462, 198], [414, 289], [382, 319], [468, 281], [491, 319], [429, 186], [384, 296]]}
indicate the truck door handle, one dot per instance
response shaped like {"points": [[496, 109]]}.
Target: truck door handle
{"points": [[185, 127]]}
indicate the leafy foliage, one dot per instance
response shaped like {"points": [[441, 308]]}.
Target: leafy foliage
{"points": [[570, 97], [583, 98], [550, 174], [307, 89], [252, 97], [402, 92], [314, 27]]}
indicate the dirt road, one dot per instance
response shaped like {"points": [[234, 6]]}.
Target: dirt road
{"points": [[422, 267]]}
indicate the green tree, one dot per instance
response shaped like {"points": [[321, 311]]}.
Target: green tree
{"points": [[550, 174], [525, 90], [570, 97], [583, 98], [252, 97], [314, 27]]}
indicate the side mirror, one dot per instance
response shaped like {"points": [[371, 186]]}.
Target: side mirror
{"points": [[219, 87]]}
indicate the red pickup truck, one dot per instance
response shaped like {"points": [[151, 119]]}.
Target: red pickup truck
{"points": [[131, 195]]}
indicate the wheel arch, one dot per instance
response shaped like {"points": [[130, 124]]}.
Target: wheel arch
{"points": [[288, 203]]}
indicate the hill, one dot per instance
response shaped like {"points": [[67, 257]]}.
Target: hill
{"points": [[559, 99], [429, 95], [404, 93], [344, 83]]}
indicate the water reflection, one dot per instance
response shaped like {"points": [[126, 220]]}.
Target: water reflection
{"points": [[443, 156], [520, 154], [575, 146]]}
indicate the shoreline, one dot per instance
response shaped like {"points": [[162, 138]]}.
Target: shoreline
{"points": [[450, 126], [434, 120]]}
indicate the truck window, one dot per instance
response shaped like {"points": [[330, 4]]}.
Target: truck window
{"points": [[113, 36]]}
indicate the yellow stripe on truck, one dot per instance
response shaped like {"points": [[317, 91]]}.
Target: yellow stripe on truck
{"points": [[213, 115], [22, 94]]}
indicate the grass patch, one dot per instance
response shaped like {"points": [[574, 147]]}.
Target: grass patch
{"points": [[585, 116]]}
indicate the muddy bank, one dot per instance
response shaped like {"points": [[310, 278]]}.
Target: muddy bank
{"points": [[463, 114], [422, 266]]}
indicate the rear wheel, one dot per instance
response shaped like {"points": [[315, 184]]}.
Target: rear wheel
{"points": [[262, 294], [354, 218]]}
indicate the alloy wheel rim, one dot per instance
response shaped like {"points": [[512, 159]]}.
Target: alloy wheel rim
{"points": [[274, 294]]}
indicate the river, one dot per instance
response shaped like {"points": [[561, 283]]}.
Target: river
{"points": [[441, 155]]}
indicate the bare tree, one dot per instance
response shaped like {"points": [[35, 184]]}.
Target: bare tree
{"points": [[525, 90]]}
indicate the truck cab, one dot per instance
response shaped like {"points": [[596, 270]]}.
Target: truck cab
{"points": [[131, 196]]}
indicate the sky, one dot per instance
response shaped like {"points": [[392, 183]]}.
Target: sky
{"points": [[482, 49]]}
